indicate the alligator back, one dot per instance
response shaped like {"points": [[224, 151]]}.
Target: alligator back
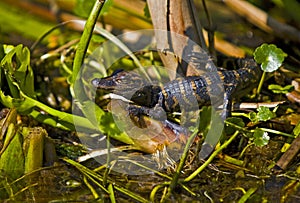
{"points": [[186, 92]]}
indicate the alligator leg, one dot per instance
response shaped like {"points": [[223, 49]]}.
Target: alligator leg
{"points": [[137, 113], [157, 112]]}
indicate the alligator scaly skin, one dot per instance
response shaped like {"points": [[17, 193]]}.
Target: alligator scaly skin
{"points": [[223, 85]]}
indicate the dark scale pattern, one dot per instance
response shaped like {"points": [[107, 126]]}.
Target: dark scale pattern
{"points": [[231, 79], [201, 93], [224, 84], [186, 92], [236, 81]]}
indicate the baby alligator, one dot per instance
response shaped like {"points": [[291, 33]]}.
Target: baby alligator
{"points": [[182, 93]]}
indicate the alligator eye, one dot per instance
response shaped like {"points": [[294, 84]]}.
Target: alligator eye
{"points": [[118, 80], [140, 94]]}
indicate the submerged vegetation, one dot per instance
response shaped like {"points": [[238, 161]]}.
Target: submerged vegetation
{"points": [[62, 139]]}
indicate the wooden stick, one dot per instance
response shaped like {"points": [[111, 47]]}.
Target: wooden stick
{"points": [[262, 20], [251, 13], [287, 157]]}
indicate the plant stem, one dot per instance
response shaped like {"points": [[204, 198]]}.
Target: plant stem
{"points": [[247, 195], [261, 82], [212, 156], [85, 38], [107, 169], [277, 132], [180, 166]]}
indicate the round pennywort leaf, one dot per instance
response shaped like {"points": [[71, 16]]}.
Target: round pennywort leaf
{"points": [[261, 138], [277, 89], [264, 114], [269, 56]]}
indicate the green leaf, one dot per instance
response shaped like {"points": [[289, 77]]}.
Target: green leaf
{"points": [[12, 158], [205, 119], [108, 4], [265, 114], [16, 64], [103, 120], [278, 89], [296, 130], [146, 11], [261, 138], [84, 7], [235, 120], [269, 56], [19, 76], [253, 117], [15, 19], [33, 146]]}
